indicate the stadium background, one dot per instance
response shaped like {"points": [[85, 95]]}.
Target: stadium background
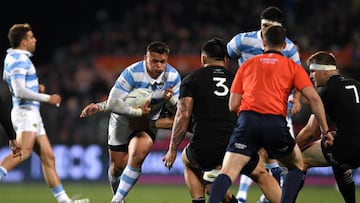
{"points": [[82, 47]]}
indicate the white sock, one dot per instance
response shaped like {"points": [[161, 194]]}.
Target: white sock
{"points": [[3, 172], [263, 198], [114, 182], [60, 194], [244, 185]]}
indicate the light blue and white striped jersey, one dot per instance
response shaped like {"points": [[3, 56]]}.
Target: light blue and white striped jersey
{"points": [[245, 45], [18, 66], [248, 44], [136, 76]]}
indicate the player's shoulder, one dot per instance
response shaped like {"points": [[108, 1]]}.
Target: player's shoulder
{"points": [[171, 74], [289, 44], [210, 70], [253, 33], [195, 75], [170, 68], [289, 41], [17, 58], [136, 67], [246, 35], [343, 79]]}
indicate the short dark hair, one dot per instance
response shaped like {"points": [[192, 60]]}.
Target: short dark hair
{"points": [[272, 13], [215, 48], [275, 36], [158, 47], [323, 58], [17, 33]]}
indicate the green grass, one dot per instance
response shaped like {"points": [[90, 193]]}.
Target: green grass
{"points": [[99, 192]]}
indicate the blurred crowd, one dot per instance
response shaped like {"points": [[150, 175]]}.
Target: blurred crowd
{"points": [[125, 31]]}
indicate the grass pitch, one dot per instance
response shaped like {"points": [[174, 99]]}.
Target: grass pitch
{"points": [[99, 192]]}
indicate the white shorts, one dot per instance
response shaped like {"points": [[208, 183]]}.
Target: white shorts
{"points": [[119, 130], [27, 119]]}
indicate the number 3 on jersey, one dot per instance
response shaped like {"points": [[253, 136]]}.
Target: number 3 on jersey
{"points": [[223, 89]]}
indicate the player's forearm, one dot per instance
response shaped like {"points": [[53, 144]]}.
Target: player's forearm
{"points": [[297, 94], [176, 137], [179, 131], [120, 107], [116, 104], [319, 111], [21, 92]]}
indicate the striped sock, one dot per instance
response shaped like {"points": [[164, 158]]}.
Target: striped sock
{"points": [[127, 181], [60, 194], [3, 172], [244, 185]]}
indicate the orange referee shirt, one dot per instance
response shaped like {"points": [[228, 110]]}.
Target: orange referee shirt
{"points": [[265, 82]]}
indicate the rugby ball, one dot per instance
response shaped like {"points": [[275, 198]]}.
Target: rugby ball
{"points": [[138, 97]]}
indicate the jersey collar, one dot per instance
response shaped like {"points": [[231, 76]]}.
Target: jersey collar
{"points": [[273, 51]]}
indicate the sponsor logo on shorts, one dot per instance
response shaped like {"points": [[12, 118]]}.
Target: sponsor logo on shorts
{"points": [[283, 149], [240, 146]]}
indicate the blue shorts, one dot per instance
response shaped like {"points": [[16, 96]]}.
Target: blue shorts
{"points": [[255, 130]]}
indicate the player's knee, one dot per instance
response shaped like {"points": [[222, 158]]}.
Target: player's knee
{"points": [[118, 169], [25, 155], [48, 158]]}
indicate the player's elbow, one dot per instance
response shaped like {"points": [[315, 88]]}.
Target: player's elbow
{"points": [[114, 106], [233, 107], [109, 104], [234, 102], [18, 92]]}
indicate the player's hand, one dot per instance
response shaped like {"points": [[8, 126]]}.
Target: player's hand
{"points": [[145, 108], [296, 106], [328, 138], [89, 110], [169, 158], [168, 93], [55, 99], [15, 148], [41, 88]]}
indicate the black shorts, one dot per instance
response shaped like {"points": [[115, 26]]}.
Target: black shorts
{"points": [[206, 158], [124, 148], [212, 159], [344, 153], [254, 131]]}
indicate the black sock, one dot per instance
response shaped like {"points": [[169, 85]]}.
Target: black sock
{"points": [[345, 183], [233, 199], [219, 188], [294, 181], [199, 200]]}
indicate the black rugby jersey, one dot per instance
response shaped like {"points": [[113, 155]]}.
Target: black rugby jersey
{"points": [[210, 89], [340, 96]]}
